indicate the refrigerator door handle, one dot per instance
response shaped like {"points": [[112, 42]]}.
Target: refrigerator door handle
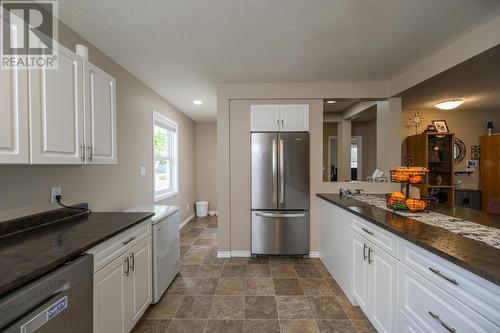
{"points": [[275, 185], [282, 172], [280, 214]]}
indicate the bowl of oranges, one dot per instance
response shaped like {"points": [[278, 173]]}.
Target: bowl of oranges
{"points": [[412, 175], [398, 201]]}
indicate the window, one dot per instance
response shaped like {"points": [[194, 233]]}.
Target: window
{"points": [[354, 155], [165, 157]]}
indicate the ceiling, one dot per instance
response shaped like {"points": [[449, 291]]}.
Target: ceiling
{"points": [[183, 48], [476, 80], [339, 105]]}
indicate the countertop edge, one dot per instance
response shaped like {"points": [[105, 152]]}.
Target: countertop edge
{"points": [[446, 256], [18, 283]]}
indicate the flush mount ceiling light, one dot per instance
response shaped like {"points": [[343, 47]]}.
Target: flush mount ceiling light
{"points": [[449, 104], [198, 102], [330, 102]]}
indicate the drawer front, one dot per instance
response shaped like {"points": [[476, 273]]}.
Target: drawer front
{"points": [[111, 249], [383, 239], [406, 325], [434, 310], [481, 295]]}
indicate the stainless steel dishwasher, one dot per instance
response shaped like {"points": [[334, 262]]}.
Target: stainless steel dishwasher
{"points": [[58, 302]]}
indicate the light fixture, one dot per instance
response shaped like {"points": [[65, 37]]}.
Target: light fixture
{"points": [[330, 102], [198, 102], [449, 104]]}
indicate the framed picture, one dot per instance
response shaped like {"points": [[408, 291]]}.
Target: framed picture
{"points": [[441, 126]]}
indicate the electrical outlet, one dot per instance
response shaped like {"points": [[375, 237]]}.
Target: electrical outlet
{"points": [[142, 171], [53, 192]]}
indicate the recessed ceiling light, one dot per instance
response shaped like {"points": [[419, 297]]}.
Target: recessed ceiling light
{"points": [[198, 102], [449, 104], [330, 102]]}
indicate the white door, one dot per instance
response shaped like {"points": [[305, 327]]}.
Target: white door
{"points": [[294, 118], [139, 292], [110, 309], [264, 118], [14, 134], [56, 111], [360, 271], [383, 290], [100, 116]]}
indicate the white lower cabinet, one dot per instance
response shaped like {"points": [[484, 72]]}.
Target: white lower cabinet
{"points": [[140, 288], [383, 290], [402, 287], [335, 244], [374, 285], [123, 286], [434, 310], [360, 273], [110, 284]]}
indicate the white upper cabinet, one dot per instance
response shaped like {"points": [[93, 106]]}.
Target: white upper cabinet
{"points": [[14, 147], [100, 116], [294, 118], [58, 116], [56, 111], [265, 118], [279, 118]]}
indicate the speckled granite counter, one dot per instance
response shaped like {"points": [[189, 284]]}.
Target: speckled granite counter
{"points": [[28, 255], [472, 255]]}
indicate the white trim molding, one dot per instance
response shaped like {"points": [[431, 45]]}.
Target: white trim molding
{"points": [[240, 254], [314, 254], [223, 254], [189, 218]]}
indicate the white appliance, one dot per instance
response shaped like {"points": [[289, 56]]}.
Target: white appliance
{"points": [[166, 245]]}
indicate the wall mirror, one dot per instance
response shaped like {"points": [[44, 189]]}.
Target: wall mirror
{"points": [[349, 139], [459, 150]]}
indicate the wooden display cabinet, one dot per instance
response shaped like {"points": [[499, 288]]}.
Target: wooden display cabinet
{"points": [[435, 152]]}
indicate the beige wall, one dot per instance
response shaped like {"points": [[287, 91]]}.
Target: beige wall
{"points": [[367, 130], [234, 228], [329, 129], [206, 163], [468, 126], [25, 189]]}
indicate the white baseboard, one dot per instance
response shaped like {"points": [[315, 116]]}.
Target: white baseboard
{"points": [[223, 254], [189, 218], [314, 254], [240, 254]]}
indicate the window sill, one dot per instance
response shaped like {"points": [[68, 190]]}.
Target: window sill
{"points": [[165, 196]]}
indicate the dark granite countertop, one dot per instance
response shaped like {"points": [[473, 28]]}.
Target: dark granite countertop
{"points": [[27, 255], [474, 256]]}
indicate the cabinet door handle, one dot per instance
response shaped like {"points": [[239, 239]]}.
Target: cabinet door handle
{"points": [[132, 264], [364, 252], [127, 270], [370, 256], [438, 273], [128, 240], [367, 231], [439, 320]]}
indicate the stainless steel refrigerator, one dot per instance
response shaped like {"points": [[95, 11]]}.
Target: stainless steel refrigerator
{"points": [[280, 193]]}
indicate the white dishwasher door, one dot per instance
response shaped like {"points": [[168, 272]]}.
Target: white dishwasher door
{"points": [[166, 254]]}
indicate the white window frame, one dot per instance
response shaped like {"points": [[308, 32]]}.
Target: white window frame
{"points": [[159, 118]]}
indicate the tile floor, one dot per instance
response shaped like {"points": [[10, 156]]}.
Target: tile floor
{"points": [[275, 295]]}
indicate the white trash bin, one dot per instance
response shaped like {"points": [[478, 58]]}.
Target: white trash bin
{"points": [[201, 208]]}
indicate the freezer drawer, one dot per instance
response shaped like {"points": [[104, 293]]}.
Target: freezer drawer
{"points": [[280, 232]]}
